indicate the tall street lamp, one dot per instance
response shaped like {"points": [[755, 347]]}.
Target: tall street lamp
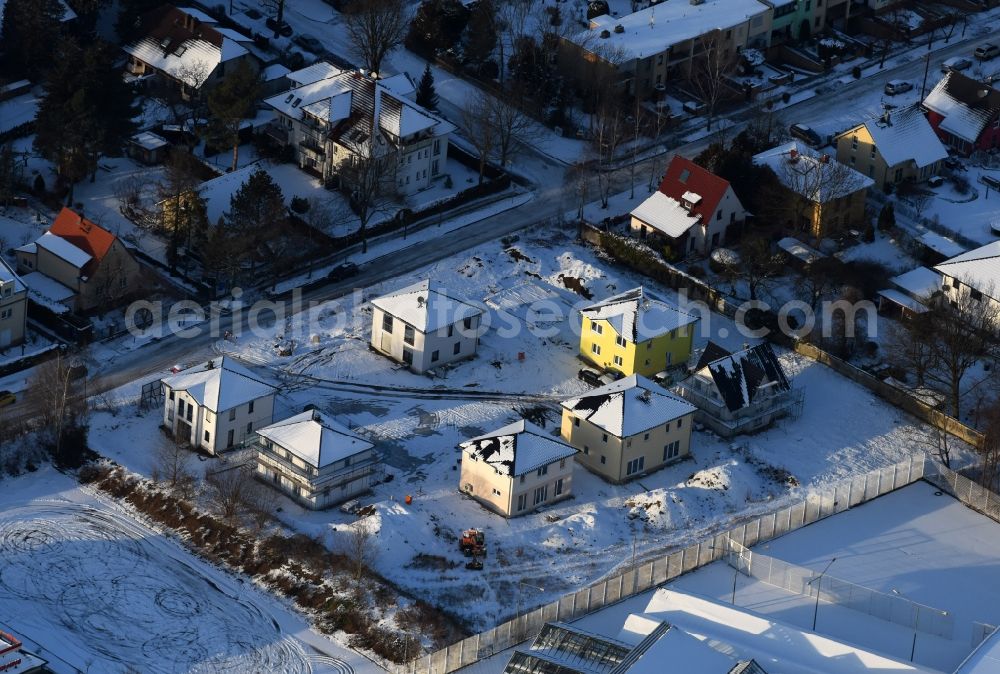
{"points": [[818, 580]]}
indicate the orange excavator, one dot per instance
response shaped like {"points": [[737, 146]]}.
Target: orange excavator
{"points": [[472, 543]]}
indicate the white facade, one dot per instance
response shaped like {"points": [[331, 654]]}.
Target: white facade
{"points": [[424, 327], [216, 406], [315, 460]]}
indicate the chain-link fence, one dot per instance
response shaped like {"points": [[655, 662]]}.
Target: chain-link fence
{"points": [[804, 581]]}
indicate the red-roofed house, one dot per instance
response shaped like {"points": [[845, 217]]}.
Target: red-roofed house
{"points": [[965, 113], [691, 211], [84, 257]]}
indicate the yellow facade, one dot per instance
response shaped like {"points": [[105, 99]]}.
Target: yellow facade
{"points": [[601, 344], [856, 148]]}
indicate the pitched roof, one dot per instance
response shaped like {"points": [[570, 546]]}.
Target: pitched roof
{"points": [[665, 214], [740, 376], [63, 249], [710, 353], [979, 268], [639, 315], [7, 274], [906, 135], [920, 282], [315, 438], [427, 306], [684, 176], [180, 42], [219, 384], [90, 238], [629, 406], [805, 172], [967, 105], [517, 448]]}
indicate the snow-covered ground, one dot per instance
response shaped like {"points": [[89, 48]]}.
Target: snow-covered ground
{"points": [[91, 589], [418, 422]]}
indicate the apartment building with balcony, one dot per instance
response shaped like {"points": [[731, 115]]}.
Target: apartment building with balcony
{"points": [[315, 460]]}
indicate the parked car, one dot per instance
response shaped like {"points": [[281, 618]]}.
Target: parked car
{"points": [[7, 398], [955, 64], [893, 87], [309, 43], [284, 30], [806, 134], [954, 164], [935, 181], [342, 271], [589, 376], [985, 52]]}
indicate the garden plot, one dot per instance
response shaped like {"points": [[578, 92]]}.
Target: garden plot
{"points": [[101, 592]]}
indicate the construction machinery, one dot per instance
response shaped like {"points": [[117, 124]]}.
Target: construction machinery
{"points": [[472, 543]]}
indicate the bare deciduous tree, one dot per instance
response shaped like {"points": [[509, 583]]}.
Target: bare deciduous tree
{"points": [[359, 548], [709, 72], [758, 264], [989, 454], [609, 133], [57, 397], [475, 117], [172, 465], [368, 178], [375, 28], [233, 491]]}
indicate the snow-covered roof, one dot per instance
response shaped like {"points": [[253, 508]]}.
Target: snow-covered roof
{"points": [[919, 282], [652, 30], [906, 135], [941, 244], [665, 214], [347, 95], [427, 306], [63, 249], [517, 448], [219, 384], [806, 172], [148, 140], [902, 300], [683, 651], [7, 275], [183, 44], [315, 438], [639, 315], [320, 70], [799, 250], [629, 406], [740, 377], [979, 268], [274, 71], [966, 104], [48, 292]]}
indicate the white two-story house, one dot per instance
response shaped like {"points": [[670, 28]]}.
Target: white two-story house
{"points": [[216, 405], [425, 326], [342, 114], [315, 460]]}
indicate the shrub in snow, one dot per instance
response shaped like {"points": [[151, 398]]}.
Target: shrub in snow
{"points": [[753, 57]]}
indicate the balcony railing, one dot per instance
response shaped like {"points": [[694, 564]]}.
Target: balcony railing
{"points": [[277, 132], [312, 145], [316, 481]]}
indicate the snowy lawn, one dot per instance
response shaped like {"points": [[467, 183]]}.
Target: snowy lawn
{"points": [[91, 589], [572, 543]]}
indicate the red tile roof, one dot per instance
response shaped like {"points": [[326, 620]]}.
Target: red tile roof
{"points": [[683, 175], [85, 235]]}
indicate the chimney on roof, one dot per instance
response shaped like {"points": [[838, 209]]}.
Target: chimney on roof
{"points": [[362, 72], [793, 155], [210, 365], [421, 301], [824, 159]]}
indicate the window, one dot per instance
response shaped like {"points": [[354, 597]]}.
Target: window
{"points": [[6, 313], [250, 407], [229, 438], [680, 422], [544, 470], [873, 151], [604, 437], [586, 449], [386, 323], [522, 502], [562, 464], [557, 490], [604, 459], [635, 465], [437, 148], [207, 437], [408, 356], [457, 349], [435, 355], [649, 345], [718, 214], [249, 427], [685, 174], [190, 412], [596, 327], [671, 450], [618, 361], [854, 143], [467, 323], [451, 330], [666, 427], [232, 414], [594, 348], [172, 393], [541, 493], [975, 294], [496, 492], [434, 167], [646, 436], [576, 421], [853, 160], [408, 335], [620, 341], [522, 479]]}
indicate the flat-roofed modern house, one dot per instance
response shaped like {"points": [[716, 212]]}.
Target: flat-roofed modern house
{"points": [[636, 332], [315, 460], [13, 307], [739, 392], [425, 326], [517, 469], [216, 405], [628, 428]]}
